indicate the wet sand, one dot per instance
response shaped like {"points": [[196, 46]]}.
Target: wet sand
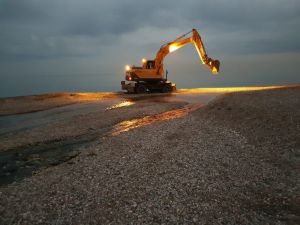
{"points": [[192, 157], [34, 103]]}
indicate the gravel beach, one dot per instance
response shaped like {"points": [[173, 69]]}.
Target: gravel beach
{"points": [[232, 161]]}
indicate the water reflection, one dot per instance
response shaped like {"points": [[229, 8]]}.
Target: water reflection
{"points": [[226, 89], [121, 104], [135, 123]]}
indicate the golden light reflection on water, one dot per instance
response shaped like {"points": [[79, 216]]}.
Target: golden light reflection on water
{"points": [[226, 89], [135, 123], [121, 104], [89, 96]]}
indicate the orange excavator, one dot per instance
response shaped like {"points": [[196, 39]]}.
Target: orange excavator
{"points": [[151, 77]]}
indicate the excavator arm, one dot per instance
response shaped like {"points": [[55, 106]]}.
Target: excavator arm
{"points": [[182, 41]]}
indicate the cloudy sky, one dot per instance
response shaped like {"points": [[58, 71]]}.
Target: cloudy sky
{"points": [[83, 45]]}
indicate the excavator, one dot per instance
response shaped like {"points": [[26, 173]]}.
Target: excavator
{"points": [[150, 77]]}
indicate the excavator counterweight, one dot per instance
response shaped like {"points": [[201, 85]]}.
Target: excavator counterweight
{"points": [[151, 76]]}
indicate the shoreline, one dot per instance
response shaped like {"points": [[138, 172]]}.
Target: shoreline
{"points": [[36, 103]]}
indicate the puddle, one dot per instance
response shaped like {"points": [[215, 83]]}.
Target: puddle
{"points": [[121, 104], [169, 115]]}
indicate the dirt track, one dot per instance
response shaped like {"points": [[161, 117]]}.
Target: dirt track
{"points": [[234, 161]]}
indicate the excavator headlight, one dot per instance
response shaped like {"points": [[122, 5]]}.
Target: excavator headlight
{"points": [[127, 67], [172, 48]]}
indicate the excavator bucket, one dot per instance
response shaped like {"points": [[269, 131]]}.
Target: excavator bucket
{"points": [[214, 66]]}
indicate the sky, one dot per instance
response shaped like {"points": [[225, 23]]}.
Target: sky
{"points": [[83, 46]]}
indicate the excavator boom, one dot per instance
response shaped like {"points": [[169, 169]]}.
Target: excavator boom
{"points": [[179, 42]]}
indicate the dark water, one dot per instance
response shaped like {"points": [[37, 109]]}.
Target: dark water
{"points": [[37, 84], [20, 85]]}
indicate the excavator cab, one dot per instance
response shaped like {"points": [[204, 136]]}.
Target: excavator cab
{"points": [[148, 64]]}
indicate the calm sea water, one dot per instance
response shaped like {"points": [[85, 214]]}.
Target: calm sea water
{"points": [[11, 86], [39, 84]]}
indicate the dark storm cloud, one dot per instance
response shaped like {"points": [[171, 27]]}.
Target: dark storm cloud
{"points": [[249, 26], [18, 10], [41, 29], [243, 14], [57, 28], [119, 17]]}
